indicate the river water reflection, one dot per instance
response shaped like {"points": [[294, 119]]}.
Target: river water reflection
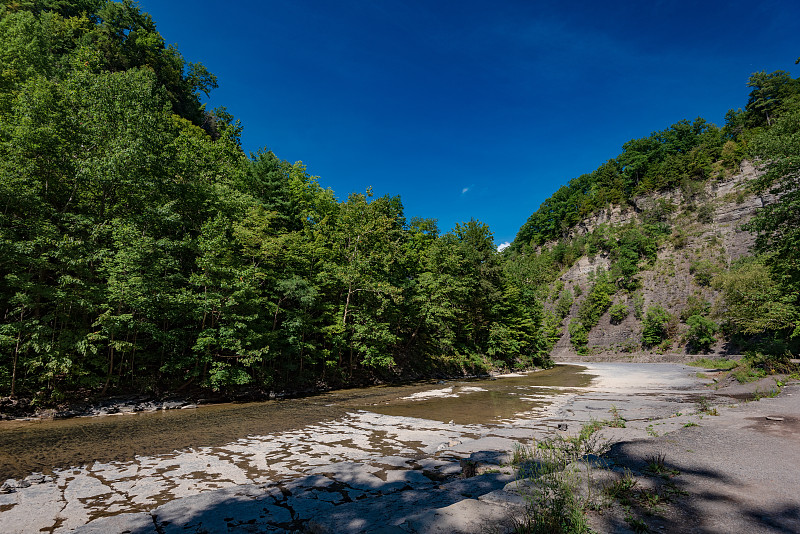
{"points": [[40, 446]]}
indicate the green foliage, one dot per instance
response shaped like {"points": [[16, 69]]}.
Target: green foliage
{"points": [[771, 92], [564, 303], [679, 238], [654, 326], [549, 487], [747, 372], [632, 247], [778, 224], [618, 312], [704, 272], [638, 305], [680, 154], [142, 250], [597, 301], [617, 421], [551, 330], [756, 304], [578, 337], [705, 214], [695, 305], [701, 334]]}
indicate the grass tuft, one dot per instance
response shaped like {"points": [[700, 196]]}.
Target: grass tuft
{"points": [[719, 363], [554, 504]]}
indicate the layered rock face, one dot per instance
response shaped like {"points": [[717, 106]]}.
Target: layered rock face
{"points": [[707, 234]]}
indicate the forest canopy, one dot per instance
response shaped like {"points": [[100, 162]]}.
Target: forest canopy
{"points": [[142, 250]]}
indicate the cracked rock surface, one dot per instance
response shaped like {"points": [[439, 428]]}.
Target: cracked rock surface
{"points": [[362, 472]]}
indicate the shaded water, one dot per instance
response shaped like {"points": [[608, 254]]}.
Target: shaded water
{"points": [[40, 446]]}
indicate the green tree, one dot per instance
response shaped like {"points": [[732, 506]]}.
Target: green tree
{"points": [[618, 313], [597, 301], [654, 326], [755, 302], [578, 337], [701, 332], [769, 92]]}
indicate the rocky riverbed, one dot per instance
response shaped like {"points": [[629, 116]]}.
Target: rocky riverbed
{"points": [[362, 471]]}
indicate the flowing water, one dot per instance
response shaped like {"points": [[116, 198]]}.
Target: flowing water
{"points": [[40, 446]]}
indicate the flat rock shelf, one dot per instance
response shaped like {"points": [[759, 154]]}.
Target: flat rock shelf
{"points": [[392, 462]]}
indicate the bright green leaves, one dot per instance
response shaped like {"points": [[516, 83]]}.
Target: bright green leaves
{"points": [[362, 247], [756, 302], [655, 326], [142, 250], [597, 301], [618, 312], [774, 310], [701, 334], [678, 156], [769, 94]]}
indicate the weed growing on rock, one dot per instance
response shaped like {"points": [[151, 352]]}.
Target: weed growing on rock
{"points": [[704, 407], [637, 525], [656, 465], [670, 490], [769, 394], [746, 373], [622, 489], [616, 419], [550, 486], [650, 500]]}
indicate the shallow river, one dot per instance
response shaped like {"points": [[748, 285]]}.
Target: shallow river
{"points": [[359, 443], [40, 446]]}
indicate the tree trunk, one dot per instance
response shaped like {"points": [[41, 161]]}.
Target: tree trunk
{"points": [[110, 365]]}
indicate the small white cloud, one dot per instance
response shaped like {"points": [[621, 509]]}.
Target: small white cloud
{"points": [[502, 246], [464, 190], [467, 189]]}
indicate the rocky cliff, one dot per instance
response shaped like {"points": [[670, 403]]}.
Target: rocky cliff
{"points": [[707, 236]]}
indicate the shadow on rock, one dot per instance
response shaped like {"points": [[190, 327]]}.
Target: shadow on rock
{"points": [[339, 498]]}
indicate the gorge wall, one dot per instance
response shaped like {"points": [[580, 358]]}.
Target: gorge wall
{"points": [[707, 236]]}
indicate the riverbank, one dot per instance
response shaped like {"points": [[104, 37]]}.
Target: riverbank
{"points": [[366, 471]]}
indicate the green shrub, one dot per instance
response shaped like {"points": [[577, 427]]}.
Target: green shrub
{"points": [[654, 329], [695, 305], [578, 337], [705, 213], [701, 333], [564, 303], [597, 301], [638, 305], [618, 312], [679, 238], [551, 330], [703, 271], [747, 373]]}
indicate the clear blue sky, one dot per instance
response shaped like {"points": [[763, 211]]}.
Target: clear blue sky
{"points": [[473, 109]]}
